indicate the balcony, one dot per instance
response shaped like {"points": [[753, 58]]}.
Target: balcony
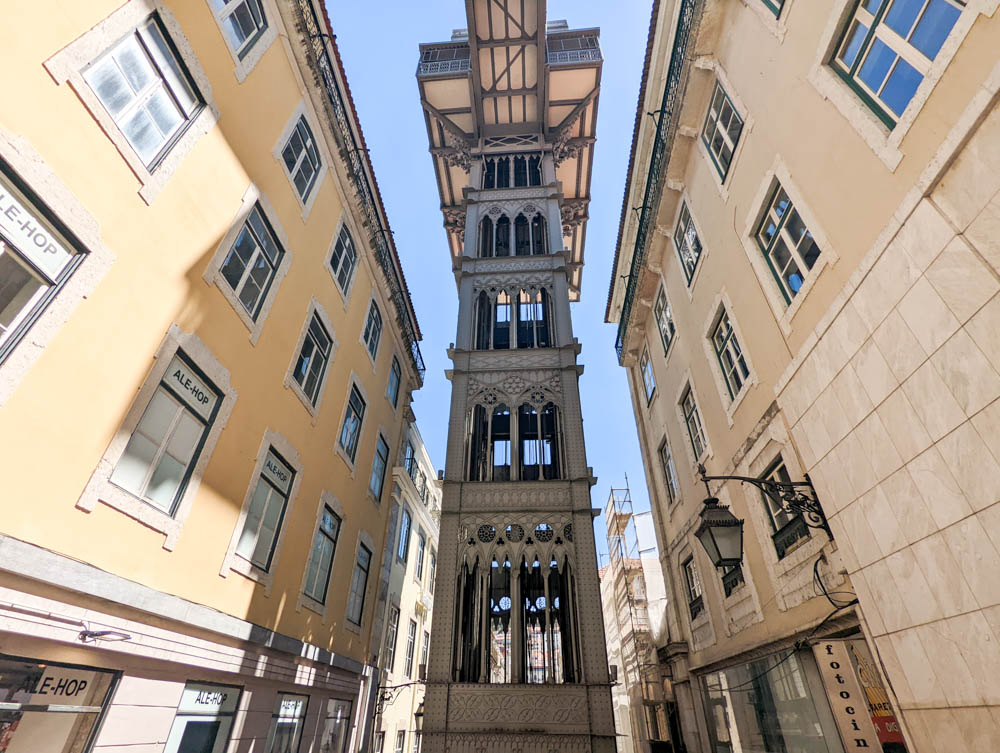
{"points": [[448, 60], [573, 50], [792, 532]]}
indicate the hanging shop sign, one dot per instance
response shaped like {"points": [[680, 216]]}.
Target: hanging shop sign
{"points": [[848, 701], [879, 706]]}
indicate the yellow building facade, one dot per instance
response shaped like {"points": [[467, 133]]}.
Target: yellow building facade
{"points": [[207, 352]]}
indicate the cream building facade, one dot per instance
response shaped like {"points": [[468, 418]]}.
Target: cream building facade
{"points": [[413, 537], [207, 352], [807, 288]]}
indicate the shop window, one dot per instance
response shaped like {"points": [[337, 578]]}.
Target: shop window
{"points": [[391, 634], [687, 242], [418, 570], [379, 464], [300, 157], [403, 543], [252, 262], [373, 329], [730, 355], [692, 583], [164, 448], [664, 319], [669, 471], [887, 48], [313, 359], [692, 420], [354, 416], [343, 259], [266, 512], [648, 380], [722, 130], [786, 528], [287, 722], [787, 245], [392, 387], [321, 555], [359, 584], [337, 727], [204, 719], [243, 23], [411, 647], [146, 90]]}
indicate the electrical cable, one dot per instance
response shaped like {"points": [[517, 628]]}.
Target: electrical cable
{"points": [[826, 593]]}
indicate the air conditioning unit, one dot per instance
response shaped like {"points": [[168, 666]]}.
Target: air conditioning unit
{"points": [[422, 672]]}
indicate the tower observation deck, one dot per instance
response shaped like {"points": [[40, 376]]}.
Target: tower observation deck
{"points": [[517, 658]]}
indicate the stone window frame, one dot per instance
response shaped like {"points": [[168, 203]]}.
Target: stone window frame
{"points": [[326, 499], [775, 23], [364, 539], [71, 212], [885, 142], [303, 110], [687, 383], [675, 495], [689, 282], [233, 561], [99, 488], [345, 221], [382, 434], [374, 304], [353, 381], [685, 558], [315, 308], [784, 313], [244, 66], [68, 65], [668, 347], [730, 402], [213, 272], [722, 182]]}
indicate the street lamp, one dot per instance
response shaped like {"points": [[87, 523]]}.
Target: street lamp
{"points": [[418, 719], [721, 533]]}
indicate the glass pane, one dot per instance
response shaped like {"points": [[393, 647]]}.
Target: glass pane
{"points": [[164, 112], [165, 481], [872, 6], [880, 59], [304, 177], [305, 358], [143, 135], [902, 14], [158, 416], [901, 86], [264, 236], [186, 435], [174, 77], [134, 64], [852, 44], [795, 227], [780, 256], [134, 464], [17, 288], [110, 86], [268, 529], [292, 150], [809, 250], [238, 258], [934, 27], [248, 538], [254, 285], [793, 278]]}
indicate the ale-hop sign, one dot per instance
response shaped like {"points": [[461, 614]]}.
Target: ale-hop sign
{"points": [[208, 699], [199, 396], [22, 229], [847, 700]]}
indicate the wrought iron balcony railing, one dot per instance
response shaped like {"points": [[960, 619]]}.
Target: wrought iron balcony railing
{"points": [[665, 127], [351, 151], [438, 60], [583, 48]]}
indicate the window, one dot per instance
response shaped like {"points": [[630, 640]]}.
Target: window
{"points": [[692, 419], [351, 430], [789, 247], [526, 168], [786, 528], [146, 90], [403, 546], [669, 472], [266, 512], [392, 388], [732, 579], [321, 557], [416, 743], [722, 129], [373, 329], [201, 725], [380, 742], [165, 445], [286, 723], [411, 642], [359, 583], [424, 649], [251, 264], [433, 571], [400, 742], [693, 584], [243, 22], [421, 550], [647, 374], [888, 46], [379, 464], [343, 259], [337, 730], [664, 319], [301, 158], [410, 461], [687, 242], [390, 639], [730, 355], [314, 356], [774, 6]]}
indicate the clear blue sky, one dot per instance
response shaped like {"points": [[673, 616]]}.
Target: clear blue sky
{"points": [[378, 42]]}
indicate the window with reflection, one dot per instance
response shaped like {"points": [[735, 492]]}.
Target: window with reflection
{"points": [[486, 238], [502, 242], [522, 236], [493, 454], [500, 623], [533, 312], [501, 321]]}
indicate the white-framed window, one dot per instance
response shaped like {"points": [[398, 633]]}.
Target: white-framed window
{"points": [[164, 447], [692, 420], [395, 377], [373, 329], [313, 359], [669, 471], [266, 512], [786, 243], [359, 584], [391, 634], [687, 242], [731, 359], [337, 729], [379, 463], [250, 266], [146, 90], [887, 48], [648, 380], [343, 259], [433, 571], [324, 547], [400, 742], [354, 416], [300, 156], [664, 318], [692, 583], [243, 23], [287, 721], [380, 742], [722, 130], [418, 569], [403, 545], [411, 645]]}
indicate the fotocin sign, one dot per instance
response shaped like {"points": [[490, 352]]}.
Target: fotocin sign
{"points": [[847, 700]]}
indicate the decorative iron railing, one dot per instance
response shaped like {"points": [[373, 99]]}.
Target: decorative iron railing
{"points": [[666, 125], [563, 57], [462, 65], [350, 151], [732, 579]]}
